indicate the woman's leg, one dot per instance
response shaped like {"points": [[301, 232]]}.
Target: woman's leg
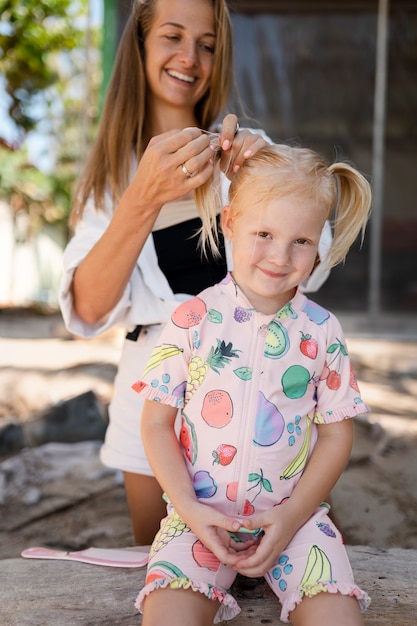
{"points": [[146, 507], [178, 607], [327, 609]]}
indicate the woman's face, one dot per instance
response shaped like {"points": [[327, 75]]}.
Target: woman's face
{"points": [[179, 52]]}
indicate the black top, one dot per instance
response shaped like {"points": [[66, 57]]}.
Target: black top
{"points": [[186, 269]]}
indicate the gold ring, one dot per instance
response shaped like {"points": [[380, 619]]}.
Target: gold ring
{"points": [[186, 172]]}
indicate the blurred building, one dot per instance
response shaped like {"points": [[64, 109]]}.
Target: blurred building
{"points": [[307, 71]]}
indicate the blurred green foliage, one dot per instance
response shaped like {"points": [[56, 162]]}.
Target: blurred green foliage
{"points": [[32, 32], [50, 61]]}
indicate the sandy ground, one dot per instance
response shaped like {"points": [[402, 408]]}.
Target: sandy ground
{"points": [[75, 502]]}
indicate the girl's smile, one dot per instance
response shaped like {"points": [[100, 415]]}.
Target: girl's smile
{"points": [[274, 247]]}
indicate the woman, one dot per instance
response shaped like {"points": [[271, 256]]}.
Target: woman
{"points": [[134, 253]]}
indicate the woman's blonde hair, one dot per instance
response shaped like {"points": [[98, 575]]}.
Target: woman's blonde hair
{"points": [[339, 190], [123, 121]]}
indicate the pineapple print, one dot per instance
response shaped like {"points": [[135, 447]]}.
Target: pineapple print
{"points": [[172, 526], [218, 357]]}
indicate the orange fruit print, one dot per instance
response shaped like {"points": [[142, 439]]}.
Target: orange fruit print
{"points": [[217, 409]]}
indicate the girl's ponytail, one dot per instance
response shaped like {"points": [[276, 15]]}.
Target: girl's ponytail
{"points": [[351, 212]]}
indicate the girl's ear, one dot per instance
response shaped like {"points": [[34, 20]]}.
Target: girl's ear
{"points": [[227, 223]]}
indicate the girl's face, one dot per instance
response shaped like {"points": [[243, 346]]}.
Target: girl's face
{"points": [[179, 51], [274, 247]]}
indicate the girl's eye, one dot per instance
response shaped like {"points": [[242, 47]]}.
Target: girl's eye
{"points": [[301, 241], [263, 234]]}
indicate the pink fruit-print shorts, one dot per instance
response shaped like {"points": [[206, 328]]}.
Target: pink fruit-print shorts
{"points": [[315, 561]]}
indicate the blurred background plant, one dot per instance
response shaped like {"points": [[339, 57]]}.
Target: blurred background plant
{"points": [[50, 76]]}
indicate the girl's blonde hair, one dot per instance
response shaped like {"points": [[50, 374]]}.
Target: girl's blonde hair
{"points": [[123, 122], [339, 190]]}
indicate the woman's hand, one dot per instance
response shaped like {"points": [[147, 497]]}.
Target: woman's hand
{"points": [[179, 159], [237, 145]]}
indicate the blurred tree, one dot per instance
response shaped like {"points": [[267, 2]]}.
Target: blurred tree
{"points": [[32, 33], [50, 61]]}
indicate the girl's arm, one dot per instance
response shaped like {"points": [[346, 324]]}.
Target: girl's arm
{"points": [[166, 460], [327, 462], [164, 454]]}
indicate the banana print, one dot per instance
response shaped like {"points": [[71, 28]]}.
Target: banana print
{"points": [[160, 353], [297, 465], [318, 571]]}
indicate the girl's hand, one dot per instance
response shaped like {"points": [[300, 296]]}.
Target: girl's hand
{"points": [[279, 528], [237, 145], [213, 530]]}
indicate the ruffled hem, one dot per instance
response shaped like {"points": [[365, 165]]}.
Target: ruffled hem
{"points": [[228, 608], [338, 415], [151, 393], [344, 588]]}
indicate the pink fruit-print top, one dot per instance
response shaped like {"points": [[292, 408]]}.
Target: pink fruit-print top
{"points": [[252, 389]]}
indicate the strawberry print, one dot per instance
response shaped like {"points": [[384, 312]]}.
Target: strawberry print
{"points": [[224, 454], [308, 346]]}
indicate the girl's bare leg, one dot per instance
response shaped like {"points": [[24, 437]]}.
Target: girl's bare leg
{"points": [[146, 507], [178, 607], [327, 609]]}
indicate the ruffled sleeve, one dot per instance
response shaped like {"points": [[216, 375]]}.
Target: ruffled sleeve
{"points": [[338, 393]]}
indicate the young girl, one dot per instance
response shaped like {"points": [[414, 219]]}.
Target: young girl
{"points": [[262, 377], [135, 212]]}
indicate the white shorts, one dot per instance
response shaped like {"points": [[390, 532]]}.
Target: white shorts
{"points": [[122, 448]]}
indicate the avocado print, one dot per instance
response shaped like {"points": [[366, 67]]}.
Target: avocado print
{"points": [[295, 381], [277, 342], [269, 423]]}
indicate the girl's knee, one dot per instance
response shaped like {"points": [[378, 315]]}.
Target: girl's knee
{"points": [[327, 609]]}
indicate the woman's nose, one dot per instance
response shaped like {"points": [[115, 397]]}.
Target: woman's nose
{"points": [[188, 54]]}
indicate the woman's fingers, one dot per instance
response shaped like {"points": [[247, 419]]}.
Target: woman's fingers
{"points": [[245, 144], [229, 127], [186, 150]]}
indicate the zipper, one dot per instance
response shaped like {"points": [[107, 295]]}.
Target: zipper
{"points": [[250, 404]]}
